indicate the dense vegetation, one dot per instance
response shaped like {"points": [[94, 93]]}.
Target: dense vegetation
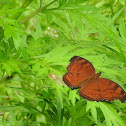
{"points": [[37, 39]]}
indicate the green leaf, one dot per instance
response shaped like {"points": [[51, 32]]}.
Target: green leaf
{"points": [[117, 15], [62, 24], [70, 3], [26, 3], [39, 32], [12, 119], [92, 105], [48, 17], [7, 68], [14, 107], [73, 96], [52, 106], [60, 92], [122, 29], [58, 51], [14, 66], [62, 3], [122, 2], [11, 66], [111, 115]]}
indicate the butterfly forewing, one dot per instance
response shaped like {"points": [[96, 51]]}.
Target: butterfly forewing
{"points": [[79, 71]]}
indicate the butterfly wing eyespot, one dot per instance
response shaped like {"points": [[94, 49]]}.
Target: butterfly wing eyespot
{"points": [[79, 70], [102, 89]]}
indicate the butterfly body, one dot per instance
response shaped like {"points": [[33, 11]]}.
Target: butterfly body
{"points": [[81, 74]]}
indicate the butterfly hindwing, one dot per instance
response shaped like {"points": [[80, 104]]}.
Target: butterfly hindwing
{"points": [[102, 89]]}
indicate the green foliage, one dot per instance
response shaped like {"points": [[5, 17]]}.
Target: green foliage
{"points": [[37, 39]]}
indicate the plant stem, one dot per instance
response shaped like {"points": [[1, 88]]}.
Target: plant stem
{"points": [[36, 12]]}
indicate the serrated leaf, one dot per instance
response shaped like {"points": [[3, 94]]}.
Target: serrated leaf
{"points": [[92, 106], [73, 96], [7, 68], [60, 22], [11, 66], [110, 114], [14, 66]]}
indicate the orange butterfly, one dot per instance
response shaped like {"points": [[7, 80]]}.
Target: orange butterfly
{"points": [[81, 74]]}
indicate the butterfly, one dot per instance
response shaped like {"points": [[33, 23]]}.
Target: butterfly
{"points": [[81, 74]]}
